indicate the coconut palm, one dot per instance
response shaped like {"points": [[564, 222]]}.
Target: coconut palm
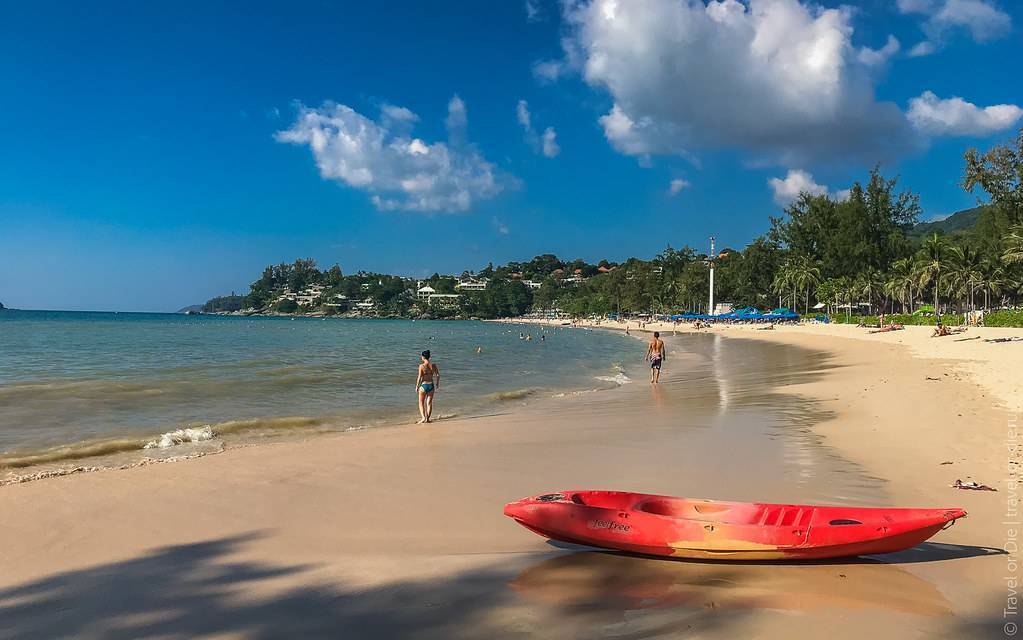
{"points": [[869, 283], [963, 275], [932, 262], [993, 280], [784, 281], [805, 274], [901, 282]]}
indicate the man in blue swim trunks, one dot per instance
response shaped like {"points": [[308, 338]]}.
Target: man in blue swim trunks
{"points": [[427, 383], [655, 354]]}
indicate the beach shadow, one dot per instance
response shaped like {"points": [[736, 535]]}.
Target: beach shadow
{"points": [[609, 582], [925, 552], [202, 590]]}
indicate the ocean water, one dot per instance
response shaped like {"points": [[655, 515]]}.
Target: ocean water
{"points": [[77, 385]]}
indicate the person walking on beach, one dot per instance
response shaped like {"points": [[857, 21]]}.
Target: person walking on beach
{"points": [[427, 383], [655, 354]]}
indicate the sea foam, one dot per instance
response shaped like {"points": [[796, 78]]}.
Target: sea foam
{"points": [[182, 436]]}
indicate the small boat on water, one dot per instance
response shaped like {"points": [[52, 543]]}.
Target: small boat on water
{"points": [[707, 529]]}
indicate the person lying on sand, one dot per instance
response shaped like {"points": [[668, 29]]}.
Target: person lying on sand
{"points": [[892, 327], [941, 331]]}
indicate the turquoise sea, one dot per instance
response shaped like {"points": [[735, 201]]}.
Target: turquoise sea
{"points": [[77, 385]]}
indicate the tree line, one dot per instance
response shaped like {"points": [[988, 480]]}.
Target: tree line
{"points": [[842, 253]]}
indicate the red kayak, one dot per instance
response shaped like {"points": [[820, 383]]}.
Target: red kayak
{"points": [[707, 529]]}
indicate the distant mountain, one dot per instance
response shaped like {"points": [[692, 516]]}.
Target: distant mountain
{"points": [[958, 222], [193, 308]]}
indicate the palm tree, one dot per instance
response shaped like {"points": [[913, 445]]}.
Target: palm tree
{"points": [[1013, 243], [805, 274], [931, 263], [993, 280], [845, 292], [964, 272], [869, 284], [901, 282], [783, 280]]}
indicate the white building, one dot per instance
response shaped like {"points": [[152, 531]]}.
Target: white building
{"points": [[444, 298], [425, 292], [472, 284], [532, 284]]}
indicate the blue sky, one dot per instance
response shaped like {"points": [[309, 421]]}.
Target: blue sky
{"points": [[156, 154]]}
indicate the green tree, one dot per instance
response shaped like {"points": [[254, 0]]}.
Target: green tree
{"points": [[1012, 246], [999, 173], [932, 261]]}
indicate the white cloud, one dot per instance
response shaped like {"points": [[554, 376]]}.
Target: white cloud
{"points": [[786, 190], [398, 171], [956, 117], [915, 6], [685, 73], [874, 57], [677, 185], [547, 71], [923, 48], [523, 115], [499, 226], [457, 121], [550, 143], [981, 18], [546, 143]]}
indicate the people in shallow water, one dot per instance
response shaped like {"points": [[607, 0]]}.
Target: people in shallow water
{"points": [[427, 383], [655, 354]]}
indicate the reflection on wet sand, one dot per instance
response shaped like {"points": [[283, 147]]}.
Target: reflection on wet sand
{"points": [[609, 585]]}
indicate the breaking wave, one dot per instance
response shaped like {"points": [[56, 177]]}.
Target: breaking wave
{"points": [[617, 377], [181, 436]]}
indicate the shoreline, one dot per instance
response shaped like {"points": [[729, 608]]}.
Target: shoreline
{"points": [[393, 511]]}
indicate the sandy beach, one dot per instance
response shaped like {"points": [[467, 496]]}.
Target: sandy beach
{"points": [[398, 532]]}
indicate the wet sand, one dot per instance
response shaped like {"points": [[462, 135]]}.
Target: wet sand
{"points": [[399, 532]]}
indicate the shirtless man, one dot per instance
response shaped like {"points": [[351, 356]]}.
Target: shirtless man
{"points": [[427, 383], [655, 354]]}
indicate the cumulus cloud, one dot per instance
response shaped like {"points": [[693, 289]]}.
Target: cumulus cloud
{"points": [[545, 143], [875, 57], [676, 185], [382, 158], [786, 190], [981, 18], [956, 117], [684, 74]]}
